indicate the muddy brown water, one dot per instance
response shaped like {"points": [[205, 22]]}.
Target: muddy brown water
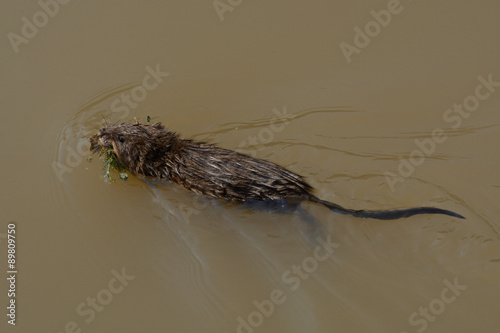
{"points": [[380, 104]]}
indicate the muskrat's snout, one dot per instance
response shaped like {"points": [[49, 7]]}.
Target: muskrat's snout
{"points": [[100, 141], [102, 133], [104, 138], [94, 143]]}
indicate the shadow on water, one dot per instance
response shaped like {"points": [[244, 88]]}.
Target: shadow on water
{"points": [[307, 225]]}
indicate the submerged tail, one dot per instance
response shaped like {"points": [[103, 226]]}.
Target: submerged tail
{"points": [[384, 214]]}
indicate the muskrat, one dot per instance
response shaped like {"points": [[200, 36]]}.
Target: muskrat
{"points": [[150, 150]]}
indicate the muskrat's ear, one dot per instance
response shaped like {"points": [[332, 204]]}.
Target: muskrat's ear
{"points": [[158, 126]]}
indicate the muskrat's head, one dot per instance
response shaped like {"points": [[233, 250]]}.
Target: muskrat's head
{"points": [[133, 144]]}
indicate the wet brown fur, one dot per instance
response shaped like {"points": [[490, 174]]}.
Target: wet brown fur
{"points": [[152, 151]]}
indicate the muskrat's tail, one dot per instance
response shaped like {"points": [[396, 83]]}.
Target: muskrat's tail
{"points": [[384, 214]]}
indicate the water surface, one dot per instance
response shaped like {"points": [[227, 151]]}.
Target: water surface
{"points": [[271, 80]]}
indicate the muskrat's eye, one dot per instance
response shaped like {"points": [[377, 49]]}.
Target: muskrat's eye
{"points": [[121, 139]]}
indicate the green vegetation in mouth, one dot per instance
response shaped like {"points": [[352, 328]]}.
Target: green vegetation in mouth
{"points": [[111, 163]]}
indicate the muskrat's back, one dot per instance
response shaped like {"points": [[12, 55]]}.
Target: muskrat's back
{"points": [[229, 175]]}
